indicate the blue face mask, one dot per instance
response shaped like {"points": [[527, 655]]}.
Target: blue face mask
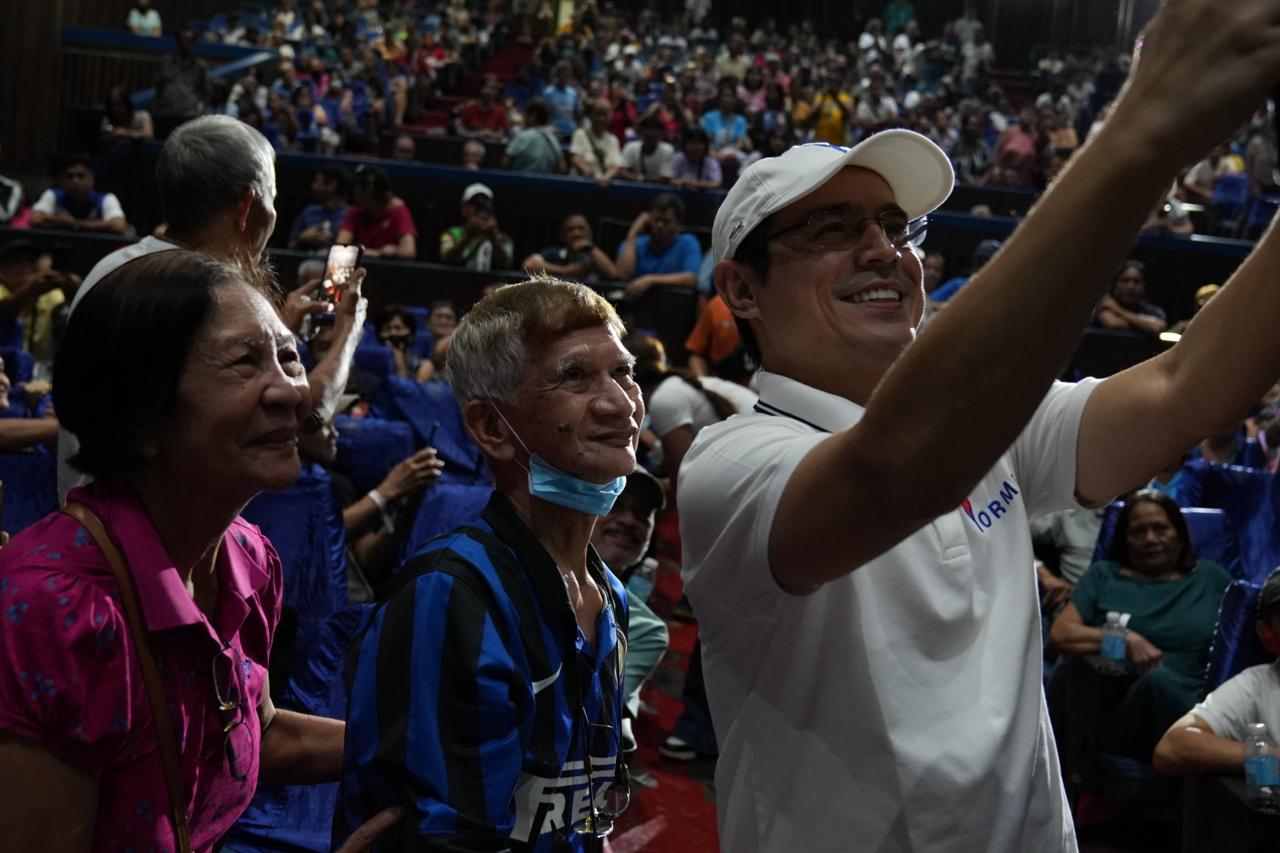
{"points": [[555, 486], [549, 483]]}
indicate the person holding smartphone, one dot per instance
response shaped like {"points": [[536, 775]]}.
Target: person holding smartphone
{"points": [[478, 243]]}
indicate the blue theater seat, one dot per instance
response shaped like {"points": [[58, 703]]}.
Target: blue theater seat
{"points": [[432, 410], [299, 817], [30, 481], [368, 448], [1235, 645], [304, 523], [375, 359], [445, 505], [18, 363]]}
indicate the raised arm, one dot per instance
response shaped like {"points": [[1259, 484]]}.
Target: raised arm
{"points": [[328, 379], [947, 409]]}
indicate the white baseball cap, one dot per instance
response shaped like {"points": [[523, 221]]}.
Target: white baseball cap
{"points": [[474, 190], [917, 171]]}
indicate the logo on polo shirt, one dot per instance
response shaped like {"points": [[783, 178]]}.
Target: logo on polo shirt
{"points": [[984, 517]]}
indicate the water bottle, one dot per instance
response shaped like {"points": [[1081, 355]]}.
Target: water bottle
{"points": [[1114, 651], [1262, 769]]}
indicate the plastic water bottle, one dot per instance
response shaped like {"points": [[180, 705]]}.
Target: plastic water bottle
{"points": [[1262, 769], [1114, 651]]}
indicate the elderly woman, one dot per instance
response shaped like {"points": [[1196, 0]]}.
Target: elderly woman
{"points": [[186, 393], [1172, 598], [493, 674]]}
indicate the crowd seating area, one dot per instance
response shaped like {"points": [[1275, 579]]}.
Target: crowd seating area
{"points": [[442, 97]]}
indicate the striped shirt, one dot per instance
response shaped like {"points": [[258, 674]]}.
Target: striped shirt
{"points": [[461, 708]]}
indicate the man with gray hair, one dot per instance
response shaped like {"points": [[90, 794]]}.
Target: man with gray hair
{"points": [[486, 694], [216, 179]]}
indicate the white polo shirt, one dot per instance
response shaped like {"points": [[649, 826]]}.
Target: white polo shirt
{"points": [[900, 707]]}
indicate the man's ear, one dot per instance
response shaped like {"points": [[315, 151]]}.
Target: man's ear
{"points": [[737, 284], [243, 208], [489, 431]]}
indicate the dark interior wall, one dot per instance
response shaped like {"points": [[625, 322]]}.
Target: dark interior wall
{"points": [[30, 97]]}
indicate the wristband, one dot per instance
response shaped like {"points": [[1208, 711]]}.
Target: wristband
{"points": [[388, 520]]}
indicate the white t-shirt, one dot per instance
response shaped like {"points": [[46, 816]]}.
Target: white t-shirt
{"points": [[657, 164], [593, 148], [111, 209], [675, 403], [68, 446], [1251, 696], [898, 708]]}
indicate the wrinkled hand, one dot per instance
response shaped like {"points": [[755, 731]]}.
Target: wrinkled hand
{"points": [[1054, 591], [638, 287], [412, 475], [298, 304], [368, 833], [1144, 655]]}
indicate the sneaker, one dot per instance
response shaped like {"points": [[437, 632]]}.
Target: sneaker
{"points": [[677, 750]]}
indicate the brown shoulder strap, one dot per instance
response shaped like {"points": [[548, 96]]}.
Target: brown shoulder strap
{"points": [[165, 739]]}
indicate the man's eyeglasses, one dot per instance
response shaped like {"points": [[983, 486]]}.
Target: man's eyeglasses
{"points": [[837, 229], [608, 795], [228, 690]]}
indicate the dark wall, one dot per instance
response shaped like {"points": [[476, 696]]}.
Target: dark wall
{"points": [[31, 97]]}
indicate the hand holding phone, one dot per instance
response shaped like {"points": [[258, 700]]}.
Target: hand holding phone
{"points": [[341, 265]]}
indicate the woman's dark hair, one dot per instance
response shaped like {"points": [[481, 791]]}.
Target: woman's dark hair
{"points": [[1119, 551], [651, 369], [373, 180], [118, 98], [1131, 264], [126, 345], [693, 133], [669, 202], [386, 315]]}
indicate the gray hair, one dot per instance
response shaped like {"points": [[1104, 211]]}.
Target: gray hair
{"points": [[311, 268], [487, 358], [205, 167], [498, 339]]}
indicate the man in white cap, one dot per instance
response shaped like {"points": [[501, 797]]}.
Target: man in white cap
{"points": [[477, 244], [856, 548]]}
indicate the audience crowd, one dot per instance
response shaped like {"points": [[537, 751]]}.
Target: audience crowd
{"points": [[684, 101]]}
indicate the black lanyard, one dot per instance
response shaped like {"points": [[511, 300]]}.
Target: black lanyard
{"points": [[765, 409]]}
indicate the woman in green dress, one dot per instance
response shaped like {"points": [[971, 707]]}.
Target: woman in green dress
{"points": [[1152, 573]]}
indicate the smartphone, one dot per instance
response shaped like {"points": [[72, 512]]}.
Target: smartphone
{"points": [[341, 264]]}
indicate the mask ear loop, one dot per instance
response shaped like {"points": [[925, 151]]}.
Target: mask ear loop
{"points": [[523, 446]]}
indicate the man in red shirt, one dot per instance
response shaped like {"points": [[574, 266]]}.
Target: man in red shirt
{"points": [[379, 220], [485, 118]]}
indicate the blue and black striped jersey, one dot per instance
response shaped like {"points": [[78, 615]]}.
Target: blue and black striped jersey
{"points": [[468, 693]]}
